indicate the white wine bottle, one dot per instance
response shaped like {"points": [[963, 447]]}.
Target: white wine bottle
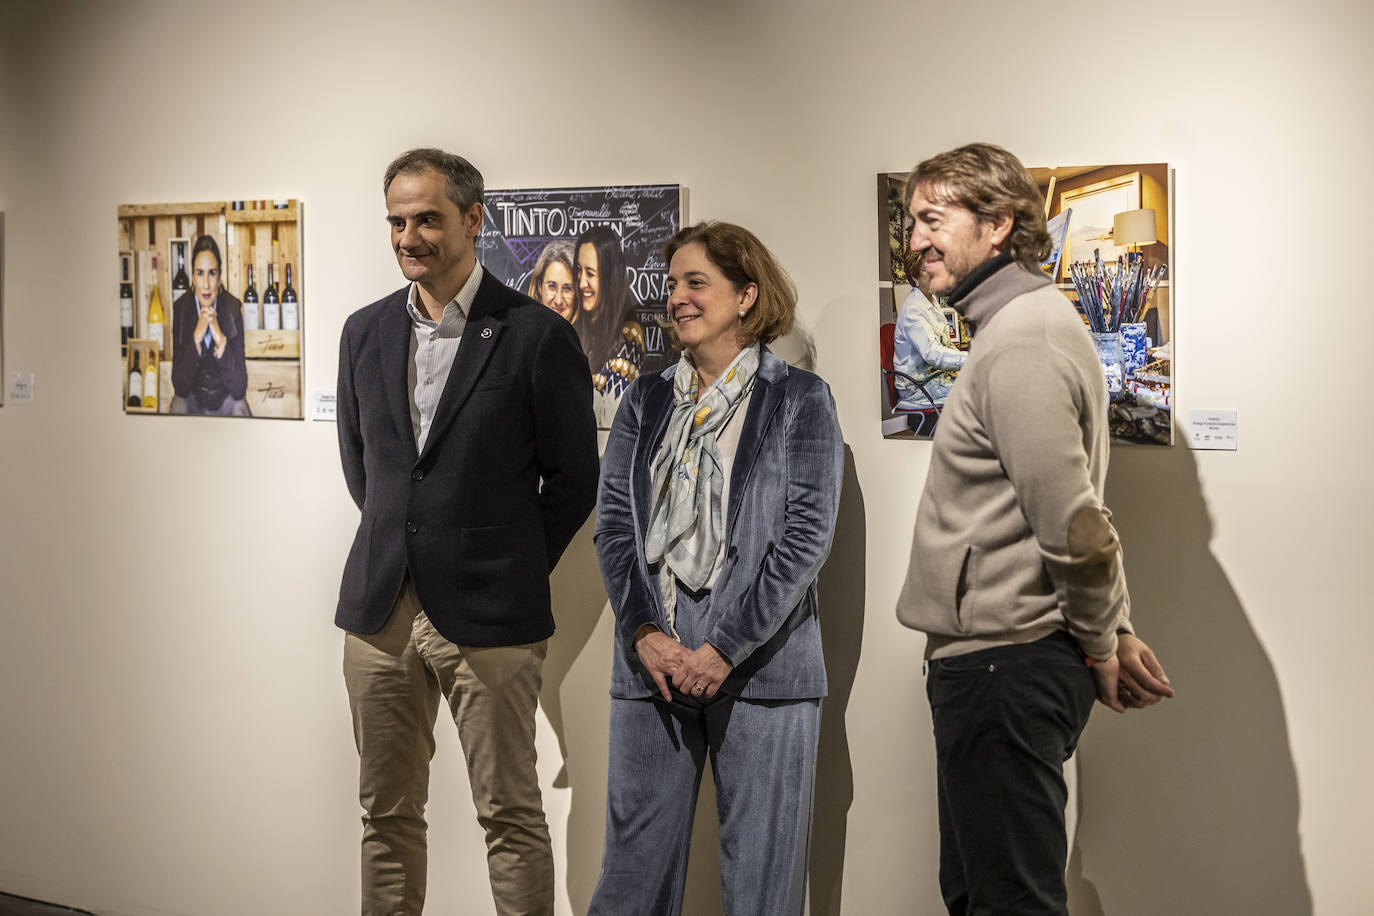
{"points": [[251, 321], [126, 307], [135, 384], [290, 306], [150, 382], [271, 304], [155, 318]]}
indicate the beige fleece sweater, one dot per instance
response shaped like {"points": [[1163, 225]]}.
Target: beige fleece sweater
{"points": [[1012, 539]]}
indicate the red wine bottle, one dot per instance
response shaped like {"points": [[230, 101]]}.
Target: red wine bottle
{"points": [[250, 304], [271, 304], [290, 305]]}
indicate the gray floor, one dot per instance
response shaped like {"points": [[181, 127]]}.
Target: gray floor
{"points": [[22, 906]]}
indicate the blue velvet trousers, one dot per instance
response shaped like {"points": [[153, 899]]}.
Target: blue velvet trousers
{"points": [[763, 757], [1005, 721]]}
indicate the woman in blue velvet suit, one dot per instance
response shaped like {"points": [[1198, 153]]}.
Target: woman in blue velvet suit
{"points": [[719, 490]]}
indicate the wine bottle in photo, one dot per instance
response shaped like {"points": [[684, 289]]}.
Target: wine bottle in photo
{"points": [[155, 318], [276, 259], [290, 306], [250, 304], [135, 384], [126, 307], [150, 382], [181, 284], [271, 305]]}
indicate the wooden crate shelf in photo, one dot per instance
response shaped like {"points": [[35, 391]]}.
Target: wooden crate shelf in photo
{"points": [[263, 216], [272, 344], [274, 388]]}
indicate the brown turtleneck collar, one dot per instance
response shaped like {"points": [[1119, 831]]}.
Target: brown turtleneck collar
{"points": [[991, 285]]}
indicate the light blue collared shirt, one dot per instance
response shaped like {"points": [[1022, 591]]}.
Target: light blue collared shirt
{"points": [[433, 347]]}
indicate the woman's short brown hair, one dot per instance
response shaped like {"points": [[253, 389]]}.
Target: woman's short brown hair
{"points": [[988, 181], [743, 259]]}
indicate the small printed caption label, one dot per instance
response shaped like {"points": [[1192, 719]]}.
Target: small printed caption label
{"points": [[322, 405], [20, 390], [1213, 429]]}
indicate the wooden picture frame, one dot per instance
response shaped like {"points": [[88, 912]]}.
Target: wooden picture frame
{"points": [[1094, 207], [267, 233]]}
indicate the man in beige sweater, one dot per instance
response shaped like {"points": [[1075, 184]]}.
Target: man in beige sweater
{"points": [[1016, 575]]}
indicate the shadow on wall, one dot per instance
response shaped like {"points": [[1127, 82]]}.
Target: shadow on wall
{"points": [[578, 600], [579, 603], [1190, 806], [842, 589]]}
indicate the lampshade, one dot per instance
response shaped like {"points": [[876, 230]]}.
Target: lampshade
{"points": [[1134, 227]]}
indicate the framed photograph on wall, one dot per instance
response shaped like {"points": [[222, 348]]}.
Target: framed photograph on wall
{"points": [[212, 308], [1120, 211], [595, 256]]}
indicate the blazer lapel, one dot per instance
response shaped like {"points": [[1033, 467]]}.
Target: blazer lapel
{"points": [[394, 339], [763, 403], [480, 335], [658, 405]]}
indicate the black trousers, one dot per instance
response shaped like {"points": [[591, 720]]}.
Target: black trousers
{"points": [[1005, 721]]}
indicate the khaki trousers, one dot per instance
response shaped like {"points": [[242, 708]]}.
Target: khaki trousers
{"points": [[395, 679]]}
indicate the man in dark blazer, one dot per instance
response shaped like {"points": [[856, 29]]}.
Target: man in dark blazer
{"points": [[468, 442]]}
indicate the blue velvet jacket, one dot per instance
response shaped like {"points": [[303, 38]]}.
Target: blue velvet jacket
{"points": [[784, 495]]}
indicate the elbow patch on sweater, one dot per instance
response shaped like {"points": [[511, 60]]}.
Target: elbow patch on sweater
{"points": [[1092, 544]]}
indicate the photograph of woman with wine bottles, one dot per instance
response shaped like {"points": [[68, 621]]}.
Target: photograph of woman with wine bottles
{"points": [[196, 339], [209, 374]]}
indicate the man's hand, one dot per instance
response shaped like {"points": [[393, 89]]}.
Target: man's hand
{"points": [[661, 656], [706, 669], [1141, 679], [1131, 679]]}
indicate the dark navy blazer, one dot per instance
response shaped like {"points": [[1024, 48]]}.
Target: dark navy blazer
{"points": [[507, 475], [784, 495]]}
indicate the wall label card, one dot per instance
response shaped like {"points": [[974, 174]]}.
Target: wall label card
{"points": [[1212, 429], [21, 389], [323, 405]]}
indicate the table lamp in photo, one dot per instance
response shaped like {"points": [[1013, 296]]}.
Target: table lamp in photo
{"points": [[1133, 228]]}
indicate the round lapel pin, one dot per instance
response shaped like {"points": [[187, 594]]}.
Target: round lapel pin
{"points": [[486, 332]]}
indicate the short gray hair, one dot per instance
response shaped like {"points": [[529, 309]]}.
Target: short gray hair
{"points": [[465, 186]]}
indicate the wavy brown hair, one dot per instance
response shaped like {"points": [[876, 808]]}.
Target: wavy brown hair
{"points": [[602, 328], [743, 259], [988, 181]]}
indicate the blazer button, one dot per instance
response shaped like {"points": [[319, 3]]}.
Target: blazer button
{"points": [[412, 527], [417, 474]]}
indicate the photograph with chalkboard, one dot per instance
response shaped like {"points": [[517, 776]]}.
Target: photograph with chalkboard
{"points": [[595, 256], [211, 308]]}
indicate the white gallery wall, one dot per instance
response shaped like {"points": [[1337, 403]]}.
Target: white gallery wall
{"points": [[174, 732]]}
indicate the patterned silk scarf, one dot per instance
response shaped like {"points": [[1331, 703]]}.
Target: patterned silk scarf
{"points": [[685, 523]]}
